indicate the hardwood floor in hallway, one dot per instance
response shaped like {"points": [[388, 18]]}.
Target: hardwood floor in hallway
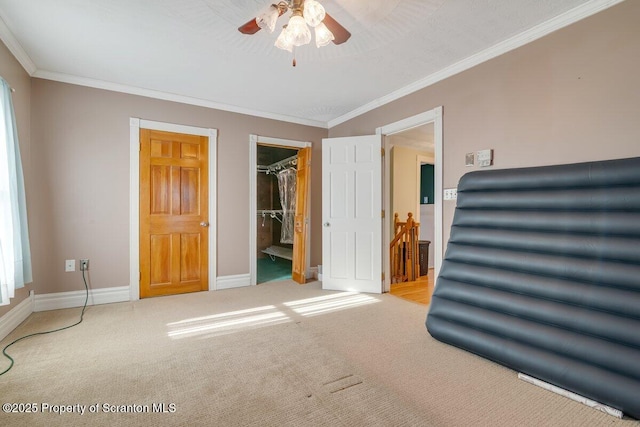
{"points": [[419, 291]]}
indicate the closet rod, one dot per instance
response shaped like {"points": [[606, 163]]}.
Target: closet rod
{"points": [[271, 213], [278, 166]]}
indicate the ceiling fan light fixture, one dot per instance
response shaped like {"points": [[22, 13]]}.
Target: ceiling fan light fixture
{"points": [[313, 12], [297, 31], [305, 14], [282, 42], [268, 18], [323, 35]]}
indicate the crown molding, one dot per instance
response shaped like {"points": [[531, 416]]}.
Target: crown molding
{"points": [[149, 93], [19, 53], [574, 15], [14, 47]]}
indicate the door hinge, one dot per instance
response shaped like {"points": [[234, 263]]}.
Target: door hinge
{"points": [[382, 151], [383, 213], [140, 276], [140, 147], [383, 275]]}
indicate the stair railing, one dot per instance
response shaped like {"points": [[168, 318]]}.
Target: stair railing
{"points": [[405, 260]]}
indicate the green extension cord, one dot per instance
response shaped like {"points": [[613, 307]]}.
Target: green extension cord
{"points": [[4, 350]]}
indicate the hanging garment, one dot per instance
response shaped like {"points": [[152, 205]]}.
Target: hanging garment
{"points": [[287, 187]]}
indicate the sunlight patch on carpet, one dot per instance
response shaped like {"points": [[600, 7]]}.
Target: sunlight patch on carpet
{"points": [[259, 317], [226, 323], [329, 303]]}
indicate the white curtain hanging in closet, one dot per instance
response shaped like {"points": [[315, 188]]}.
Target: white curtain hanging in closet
{"points": [[287, 187]]}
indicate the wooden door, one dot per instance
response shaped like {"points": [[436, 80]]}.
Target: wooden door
{"points": [[352, 214], [174, 213], [301, 219]]}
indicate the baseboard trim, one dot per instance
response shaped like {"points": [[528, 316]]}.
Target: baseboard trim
{"points": [[17, 315], [571, 395], [233, 281], [58, 300]]}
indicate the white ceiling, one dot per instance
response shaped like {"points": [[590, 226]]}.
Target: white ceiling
{"points": [[191, 51], [418, 138]]}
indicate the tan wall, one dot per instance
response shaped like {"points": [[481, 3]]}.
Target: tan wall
{"points": [[14, 74], [571, 96], [80, 137], [405, 182]]}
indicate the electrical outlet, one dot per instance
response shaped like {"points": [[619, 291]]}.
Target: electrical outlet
{"points": [[84, 264], [450, 193], [69, 265]]}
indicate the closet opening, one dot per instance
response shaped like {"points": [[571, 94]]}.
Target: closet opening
{"points": [[275, 202], [289, 160]]}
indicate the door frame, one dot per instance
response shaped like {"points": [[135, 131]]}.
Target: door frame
{"points": [[431, 116], [135, 124], [254, 140]]}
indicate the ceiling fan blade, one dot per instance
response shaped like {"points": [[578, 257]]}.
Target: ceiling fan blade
{"points": [[250, 27], [339, 32]]}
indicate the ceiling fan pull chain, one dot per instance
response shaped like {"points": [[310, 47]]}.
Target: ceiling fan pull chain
{"points": [[294, 56]]}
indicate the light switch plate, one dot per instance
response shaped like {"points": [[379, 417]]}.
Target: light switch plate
{"points": [[485, 157], [70, 265]]}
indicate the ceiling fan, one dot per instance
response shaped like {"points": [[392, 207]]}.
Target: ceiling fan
{"points": [[304, 14]]}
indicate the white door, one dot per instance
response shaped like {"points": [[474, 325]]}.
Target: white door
{"points": [[352, 214]]}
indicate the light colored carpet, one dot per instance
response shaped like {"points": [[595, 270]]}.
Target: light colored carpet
{"points": [[277, 354]]}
